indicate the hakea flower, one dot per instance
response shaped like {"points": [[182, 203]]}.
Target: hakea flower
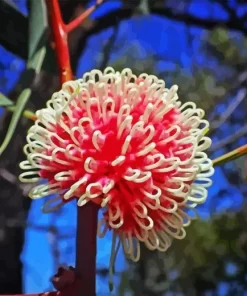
{"points": [[128, 144]]}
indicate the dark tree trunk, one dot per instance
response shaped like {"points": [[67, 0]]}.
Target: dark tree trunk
{"points": [[14, 203], [13, 210]]}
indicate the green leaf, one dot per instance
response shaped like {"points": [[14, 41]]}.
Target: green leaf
{"points": [[144, 7], [37, 60], [38, 27], [38, 38], [20, 105], [4, 101]]}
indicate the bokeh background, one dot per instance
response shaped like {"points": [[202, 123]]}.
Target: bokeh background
{"points": [[201, 45]]}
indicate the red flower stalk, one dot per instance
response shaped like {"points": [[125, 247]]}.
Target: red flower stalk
{"points": [[60, 37]]}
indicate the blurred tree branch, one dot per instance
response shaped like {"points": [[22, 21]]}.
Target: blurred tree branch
{"points": [[196, 21], [241, 95], [128, 9], [231, 11], [75, 23], [106, 52], [230, 139]]}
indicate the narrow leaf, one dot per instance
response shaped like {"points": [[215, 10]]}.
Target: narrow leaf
{"points": [[4, 101], [38, 27], [20, 105], [37, 60]]}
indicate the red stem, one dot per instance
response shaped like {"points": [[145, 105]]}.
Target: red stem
{"points": [[81, 18], [86, 245], [58, 29]]}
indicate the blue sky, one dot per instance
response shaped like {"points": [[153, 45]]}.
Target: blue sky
{"points": [[155, 34]]}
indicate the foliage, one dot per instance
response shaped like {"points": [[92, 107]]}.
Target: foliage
{"points": [[214, 252]]}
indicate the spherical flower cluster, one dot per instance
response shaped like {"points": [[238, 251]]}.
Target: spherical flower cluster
{"points": [[128, 144]]}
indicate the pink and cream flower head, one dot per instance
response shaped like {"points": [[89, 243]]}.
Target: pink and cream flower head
{"points": [[128, 144]]}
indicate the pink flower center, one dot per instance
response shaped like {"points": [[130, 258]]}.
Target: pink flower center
{"points": [[112, 155]]}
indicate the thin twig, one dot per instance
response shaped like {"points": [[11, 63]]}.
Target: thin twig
{"points": [[8, 176], [108, 47], [54, 241], [230, 155], [241, 132], [81, 18], [229, 110], [26, 113], [232, 12], [239, 83]]}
